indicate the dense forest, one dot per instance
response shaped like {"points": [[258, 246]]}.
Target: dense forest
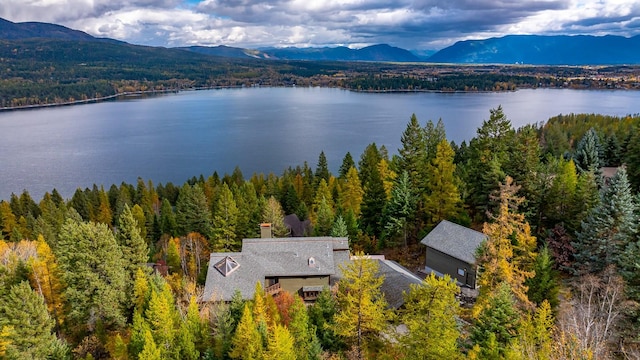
{"points": [[37, 72], [559, 272]]}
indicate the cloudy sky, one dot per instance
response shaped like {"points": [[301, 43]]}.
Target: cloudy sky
{"points": [[411, 24]]}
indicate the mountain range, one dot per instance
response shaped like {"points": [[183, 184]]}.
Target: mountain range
{"points": [[512, 49]]}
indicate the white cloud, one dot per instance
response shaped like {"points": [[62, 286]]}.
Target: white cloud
{"points": [[254, 23]]}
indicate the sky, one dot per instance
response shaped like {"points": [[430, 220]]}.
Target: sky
{"points": [[410, 24]]}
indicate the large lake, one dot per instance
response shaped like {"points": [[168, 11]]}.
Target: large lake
{"points": [[174, 137]]}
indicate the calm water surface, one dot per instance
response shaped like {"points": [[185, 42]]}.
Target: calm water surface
{"points": [[174, 137]]}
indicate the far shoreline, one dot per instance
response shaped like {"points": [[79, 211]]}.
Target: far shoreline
{"points": [[176, 91]]}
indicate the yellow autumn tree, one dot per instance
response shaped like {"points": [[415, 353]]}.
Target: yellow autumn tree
{"points": [[508, 254], [45, 278]]}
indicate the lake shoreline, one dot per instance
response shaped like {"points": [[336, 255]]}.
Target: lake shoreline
{"points": [[176, 91]]}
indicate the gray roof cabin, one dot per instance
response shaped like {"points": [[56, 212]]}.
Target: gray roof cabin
{"points": [[297, 265], [451, 250]]}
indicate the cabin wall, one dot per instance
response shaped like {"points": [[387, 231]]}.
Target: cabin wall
{"points": [[294, 284], [447, 264]]}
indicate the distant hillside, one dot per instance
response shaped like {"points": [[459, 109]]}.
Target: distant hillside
{"points": [[380, 52], [544, 50], [28, 30], [228, 51]]}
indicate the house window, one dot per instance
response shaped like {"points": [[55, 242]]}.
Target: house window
{"points": [[462, 272]]}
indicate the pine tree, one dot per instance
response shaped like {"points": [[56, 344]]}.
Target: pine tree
{"points": [[632, 159], [442, 200], [609, 227], [225, 220], [362, 313], [322, 169], [496, 326], [413, 154], [168, 223], [430, 315], [587, 156], [93, 270], [324, 218], [399, 211], [544, 286], [347, 163], [135, 252], [26, 323], [339, 228], [192, 211], [373, 202], [322, 316]]}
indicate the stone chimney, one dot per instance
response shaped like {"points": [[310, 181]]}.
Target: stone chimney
{"points": [[265, 231]]}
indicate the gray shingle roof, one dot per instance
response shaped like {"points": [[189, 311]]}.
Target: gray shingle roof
{"points": [[455, 240], [396, 282], [274, 257]]}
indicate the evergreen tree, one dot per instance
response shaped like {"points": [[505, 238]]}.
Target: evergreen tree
{"points": [[413, 154], [27, 324], [135, 252], [587, 155], [225, 220], [612, 151], [373, 202], [430, 315], [323, 219], [496, 327], [609, 227], [168, 223], [398, 212], [192, 211], [322, 169], [81, 204], [322, 317], [339, 228], [632, 159], [544, 286], [347, 163], [94, 273], [249, 211], [362, 313], [433, 135]]}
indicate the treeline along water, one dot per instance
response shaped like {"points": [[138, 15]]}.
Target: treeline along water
{"points": [[174, 137]]}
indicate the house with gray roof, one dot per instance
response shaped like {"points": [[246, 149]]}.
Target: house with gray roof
{"points": [[301, 266], [451, 249]]}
